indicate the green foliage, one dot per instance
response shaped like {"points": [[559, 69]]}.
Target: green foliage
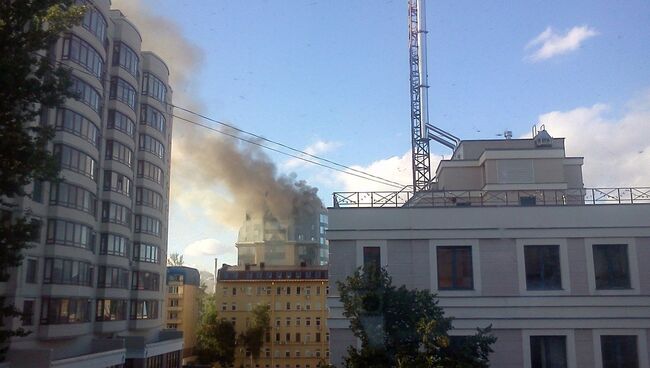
{"points": [[216, 337], [253, 338], [399, 327], [175, 259], [29, 83]]}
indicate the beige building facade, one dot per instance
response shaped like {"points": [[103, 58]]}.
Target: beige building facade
{"points": [[183, 304], [92, 284], [297, 297], [510, 237]]}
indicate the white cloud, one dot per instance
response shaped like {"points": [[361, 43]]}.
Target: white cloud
{"points": [[616, 149], [550, 43], [316, 148], [396, 168], [209, 248]]}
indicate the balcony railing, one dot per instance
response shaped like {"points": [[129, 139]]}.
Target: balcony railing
{"points": [[492, 198]]}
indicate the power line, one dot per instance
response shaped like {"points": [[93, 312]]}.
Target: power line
{"points": [[280, 151], [286, 146], [348, 170]]}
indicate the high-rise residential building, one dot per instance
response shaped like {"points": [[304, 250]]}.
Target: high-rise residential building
{"points": [[509, 236], [92, 284], [299, 336], [183, 302]]}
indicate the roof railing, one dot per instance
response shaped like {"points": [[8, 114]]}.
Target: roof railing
{"points": [[492, 198]]}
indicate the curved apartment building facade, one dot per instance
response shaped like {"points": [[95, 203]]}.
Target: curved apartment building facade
{"points": [[93, 282]]}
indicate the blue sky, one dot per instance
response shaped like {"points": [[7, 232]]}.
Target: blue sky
{"points": [[336, 72]]}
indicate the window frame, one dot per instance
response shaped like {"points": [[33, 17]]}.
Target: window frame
{"points": [[633, 266], [641, 344], [570, 344], [564, 266], [476, 267]]}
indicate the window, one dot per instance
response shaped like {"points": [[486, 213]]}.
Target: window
{"points": [[77, 124], [148, 225], [93, 21], [144, 309], [611, 266], [119, 152], [116, 213], [113, 244], [455, 268], [37, 191], [31, 271], [73, 196], [118, 183], [145, 280], [153, 87], [82, 53], [372, 258], [149, 198], [123, 91], [86, 94], [111, 310], [317, 321], [112, 277], [150, 171], [125, 57], [28, 313], [317, 336], [151, 145], [70, 233], [548, 352], [65, 310], [288, 320], [67, 272], [75, 160], [287, 337], [543, 270], [121, 122], [619, 351], [152, 117], [308, 321]]}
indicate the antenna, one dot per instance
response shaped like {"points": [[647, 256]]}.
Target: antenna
{"points": [[421, 130]]}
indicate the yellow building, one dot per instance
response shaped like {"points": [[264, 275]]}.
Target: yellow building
{"points": [[299, 337], [182, 304]]}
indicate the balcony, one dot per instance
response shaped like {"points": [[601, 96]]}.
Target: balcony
{"points": [[482, 198]]}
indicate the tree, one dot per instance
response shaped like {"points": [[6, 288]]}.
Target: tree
{"points": [[253, 338], [399, 327], [29, 84], [216, 337], [175, 259]]}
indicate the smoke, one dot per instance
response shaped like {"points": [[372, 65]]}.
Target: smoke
{"points": [[204, 163]]}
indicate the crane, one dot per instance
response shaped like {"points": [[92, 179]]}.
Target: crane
{"points": [[421, 130]]}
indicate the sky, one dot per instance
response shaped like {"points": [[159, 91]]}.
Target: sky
{"points": [[331, 77]]}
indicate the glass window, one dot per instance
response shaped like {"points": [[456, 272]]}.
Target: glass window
{"points": [[75, 123], [121, 122], [125, 57], [111, 310], [86, 94], [150, 171], [72, 196], [28, 313], [455, 268], [145, 280], [372, 258], [31, 271], [611, 266], [143, 252], [119, 152], [619, 351], [116, 213], [150, 144], [67, 271], [118, 183], [548, 352], [149, 198], [148, 225], [152, 117], [75, 160], [122, 90], [112, 277], [543, 267], [69, 233], [153, 87], [113, 244], [94, 21], [82, 53], [65, 310], [144, 309]]}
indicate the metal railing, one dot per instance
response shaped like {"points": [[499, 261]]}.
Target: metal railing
{"points": [[484, 198]]}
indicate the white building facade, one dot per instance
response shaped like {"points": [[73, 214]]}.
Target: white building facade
{"points": [[509, 237], [92, 284]]}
